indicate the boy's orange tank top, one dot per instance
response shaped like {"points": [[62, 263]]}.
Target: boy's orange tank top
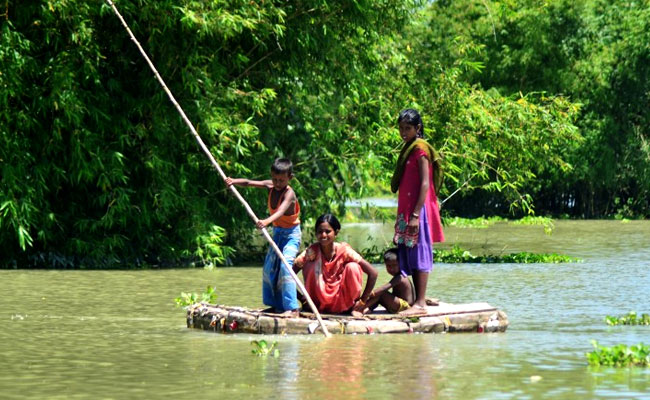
{"points": [[285, 221]]}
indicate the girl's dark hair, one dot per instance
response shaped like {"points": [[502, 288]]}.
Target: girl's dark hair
{"points": [[412, 117], [330, 219], [282, 166]]}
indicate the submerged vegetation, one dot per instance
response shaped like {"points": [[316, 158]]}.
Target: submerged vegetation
{"points": [[619, 355], [630, 319]]}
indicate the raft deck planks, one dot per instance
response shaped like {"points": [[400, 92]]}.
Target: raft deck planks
{"points": [[445, 317]]}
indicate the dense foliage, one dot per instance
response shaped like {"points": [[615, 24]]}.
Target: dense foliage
{"points": [[593, 51], [98, 170]]}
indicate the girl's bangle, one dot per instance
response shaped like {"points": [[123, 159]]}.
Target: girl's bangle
{"points": [[416, 215], [363, 303]]}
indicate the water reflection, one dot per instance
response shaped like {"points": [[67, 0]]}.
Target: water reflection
{"points": [[336, 369], [361, 367]]}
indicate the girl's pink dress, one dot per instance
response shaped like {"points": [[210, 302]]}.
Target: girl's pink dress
{"points": [[333, 285], [415, 251], [409, 190]]}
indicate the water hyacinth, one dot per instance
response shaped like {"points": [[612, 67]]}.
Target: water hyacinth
{"points": [[459, 255], [630, 319], [619, 355]]}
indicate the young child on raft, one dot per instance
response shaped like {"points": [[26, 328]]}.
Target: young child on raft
{"points": [[402, 295], [278, 286]]}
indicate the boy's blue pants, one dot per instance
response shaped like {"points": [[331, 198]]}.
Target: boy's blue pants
{"points": [[278, 287]]}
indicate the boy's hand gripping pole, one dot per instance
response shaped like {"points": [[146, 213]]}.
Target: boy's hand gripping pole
{"points": [[218, 168]]}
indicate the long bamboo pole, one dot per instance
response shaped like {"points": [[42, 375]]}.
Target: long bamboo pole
{"points": [[218, 168]]}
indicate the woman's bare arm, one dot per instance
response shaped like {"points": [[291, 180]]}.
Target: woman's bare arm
{"points": [[370, 284]]}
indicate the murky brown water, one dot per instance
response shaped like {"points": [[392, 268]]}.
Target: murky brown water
{"points": [[117, 334]]}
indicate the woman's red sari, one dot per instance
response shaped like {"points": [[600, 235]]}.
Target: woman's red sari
{"points": [[334, 285]]}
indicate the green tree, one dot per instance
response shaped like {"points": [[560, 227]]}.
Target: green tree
{"points": [[98, 169], [590, 51], [494, 144]]}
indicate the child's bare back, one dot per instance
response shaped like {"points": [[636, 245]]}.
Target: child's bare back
{"points": [[403, 288], [396, 295]]}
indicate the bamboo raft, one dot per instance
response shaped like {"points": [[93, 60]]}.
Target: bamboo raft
{"points": [[445, 317]]}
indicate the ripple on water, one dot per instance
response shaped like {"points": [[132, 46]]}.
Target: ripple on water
{"points": [[117, 333]]}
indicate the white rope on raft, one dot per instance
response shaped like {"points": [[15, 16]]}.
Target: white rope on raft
{"points": [[218, 168]]}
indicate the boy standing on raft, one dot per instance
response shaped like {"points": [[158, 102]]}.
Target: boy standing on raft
{"points": [[278, 286]]}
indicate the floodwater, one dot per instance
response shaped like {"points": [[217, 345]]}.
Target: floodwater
{"points": [[118, 334]]}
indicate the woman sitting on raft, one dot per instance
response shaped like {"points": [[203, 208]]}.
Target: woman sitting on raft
{"points": [[333, 271]]}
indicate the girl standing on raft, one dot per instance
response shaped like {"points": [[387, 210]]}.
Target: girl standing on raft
{"points": [[417, 176]]}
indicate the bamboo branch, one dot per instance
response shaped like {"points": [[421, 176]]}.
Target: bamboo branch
{"points": [[494, 31], [485, 165], [6, 13], [460, 187], [218, 168], [247, 70]]}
